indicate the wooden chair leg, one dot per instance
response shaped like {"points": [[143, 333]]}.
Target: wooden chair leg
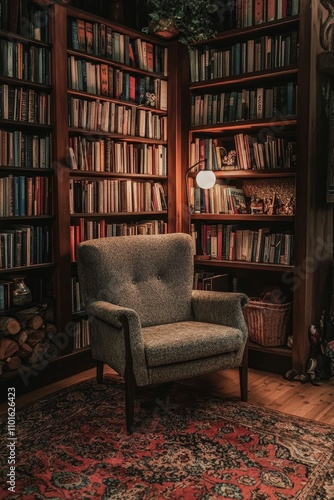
{"points": [[99, 372], [130, 391], [243, 376]]}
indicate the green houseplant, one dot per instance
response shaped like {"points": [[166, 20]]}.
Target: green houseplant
{"points": [[191, 20]]}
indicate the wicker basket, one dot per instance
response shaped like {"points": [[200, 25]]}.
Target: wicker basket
{"points": [[268, 323]]}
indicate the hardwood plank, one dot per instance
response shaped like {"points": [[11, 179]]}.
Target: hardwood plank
{"points": [[265, 389]]}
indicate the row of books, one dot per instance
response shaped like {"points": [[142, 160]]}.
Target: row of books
{"points": [[105, 80], [274, 152], [24, 18], [279, 102], [221, 199], [251, 152], [225, 199], [91, 229], [24, 150], [25, 63], [77, 302], [107, 155], [25, 246], [81, 334], [254, 12], [114, 196], [24, 105], [265, 53], [101, 40], [230, 242], [25, 196], [108, 116]]}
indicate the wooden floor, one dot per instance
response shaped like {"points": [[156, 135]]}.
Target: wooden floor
{"points": [[265, 389]]}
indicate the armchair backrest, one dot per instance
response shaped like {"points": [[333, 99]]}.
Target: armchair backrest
{"points": [[151, 274]]}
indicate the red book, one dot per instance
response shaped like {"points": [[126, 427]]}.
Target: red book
{"points": [[149, 56], [89, 38], [72, 244], [104, 79], [81, 34], [271, 10], [258, 12]]}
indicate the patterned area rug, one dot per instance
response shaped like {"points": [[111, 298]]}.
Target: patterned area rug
{"points": [[187, 445]]}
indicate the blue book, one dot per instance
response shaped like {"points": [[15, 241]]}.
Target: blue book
{"points": [[22, 195], [74, 33]]}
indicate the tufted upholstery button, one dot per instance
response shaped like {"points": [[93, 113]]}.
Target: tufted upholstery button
{"points": [[159, 277], [134, 282]]}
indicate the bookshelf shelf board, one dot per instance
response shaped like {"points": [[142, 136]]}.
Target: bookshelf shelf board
{"points": [[78, 350], [26, 170], [117, 214], [244, 217], [257, 76], [243, 125], [25, 83], [35, 303], [282, 350], [32, 267], [93, 97], [110, 62], [88, 173], [237, 33], [25, 218], [241, 264], [121, 137], [252, 173], [9, 35], [25, 125]]}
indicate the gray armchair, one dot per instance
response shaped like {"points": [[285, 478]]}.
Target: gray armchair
{"points": [[147, 323]]}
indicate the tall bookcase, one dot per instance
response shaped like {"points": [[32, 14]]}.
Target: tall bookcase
{"points": [[255, 89], [113, 160]]}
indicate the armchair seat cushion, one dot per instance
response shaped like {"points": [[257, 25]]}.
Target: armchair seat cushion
{"points": [[188, 340]]}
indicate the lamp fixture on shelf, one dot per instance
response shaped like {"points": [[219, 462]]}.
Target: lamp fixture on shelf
{"points": [[205, 179]]}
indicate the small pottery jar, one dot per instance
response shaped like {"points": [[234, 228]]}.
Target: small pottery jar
{"points": [[21, 293]]}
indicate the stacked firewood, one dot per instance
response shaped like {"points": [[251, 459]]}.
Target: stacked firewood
{"points": [[25, 337]]}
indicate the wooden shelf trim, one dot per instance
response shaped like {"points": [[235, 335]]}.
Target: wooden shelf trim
{"points": [[242, 125], [26, 170], [241, 264], [32, 267], [89, 173], [116, 214], [250, 173], [244, 217], [258, 76], [120, 137], [9, 35], [25, 83], [110, 62], [94, 97], [27, 125], [25, 218]]}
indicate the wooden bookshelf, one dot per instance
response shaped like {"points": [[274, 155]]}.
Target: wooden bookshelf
{"points": [[154, 135], [311, 222], [73, 20], [27, 215]]}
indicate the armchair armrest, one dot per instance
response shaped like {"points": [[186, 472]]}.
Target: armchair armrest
{"points": [[222, 308], [112, 314], [128, 346]]}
